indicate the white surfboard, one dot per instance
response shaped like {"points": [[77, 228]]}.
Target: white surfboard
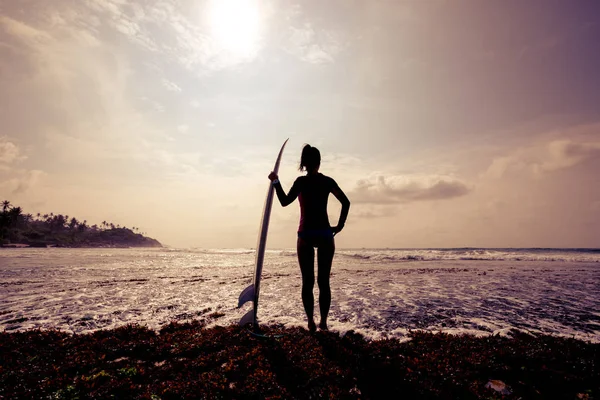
{"points": [[252, 291]]}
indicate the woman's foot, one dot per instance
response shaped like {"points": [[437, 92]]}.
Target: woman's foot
{"points": [[311, 326], [323, 326]]}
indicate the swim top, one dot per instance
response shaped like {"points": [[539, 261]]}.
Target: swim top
{"points": [[312, 192]]}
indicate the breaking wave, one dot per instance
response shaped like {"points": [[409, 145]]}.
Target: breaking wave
{"points": [[407, 255]]}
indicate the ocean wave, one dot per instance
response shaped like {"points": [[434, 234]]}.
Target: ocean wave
{"points": [[210, 251], [379, 292], [408, 255], [390, 255]]}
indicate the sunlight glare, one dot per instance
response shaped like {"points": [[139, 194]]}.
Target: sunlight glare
{"points": [[235, 25]]}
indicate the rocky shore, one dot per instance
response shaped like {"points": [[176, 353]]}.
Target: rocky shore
{"points": [[192, 362]]}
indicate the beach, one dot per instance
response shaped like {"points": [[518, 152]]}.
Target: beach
{"points": [[378, 293], [162, 323], [192, 362]]}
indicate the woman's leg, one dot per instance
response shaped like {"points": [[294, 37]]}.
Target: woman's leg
{"points": [[306, 259], [325, 254]]}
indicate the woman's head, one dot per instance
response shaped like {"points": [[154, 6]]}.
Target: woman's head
{"points": [[310, 159]]}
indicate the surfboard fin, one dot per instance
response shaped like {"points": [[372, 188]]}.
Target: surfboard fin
{"points": [[246, 295], [248, 318]]}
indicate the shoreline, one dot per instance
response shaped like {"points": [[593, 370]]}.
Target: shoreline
{"points": [[54, 246], [188, 360]]}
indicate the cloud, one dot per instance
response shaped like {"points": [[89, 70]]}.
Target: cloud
{"points": [[186, 38], [309, 46], [127, 18], [397, 189], [24, 32], [567, 153], [171, 86], [21, 181], [545, 157], [368, 211], [502, 165], [79, 87], [9, 152], [27, 180], [174, 30], [165, 28]]}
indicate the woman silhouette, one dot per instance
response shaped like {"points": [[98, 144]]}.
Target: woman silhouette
{"points": [[313, 191]]}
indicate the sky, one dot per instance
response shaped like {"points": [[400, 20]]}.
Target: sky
{"points": [[446, 123]]}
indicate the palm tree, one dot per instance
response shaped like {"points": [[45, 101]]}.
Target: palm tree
{"points": [[5, 205], [73, 223], [60, 220], [104, 224], [83, 226], [15, 213]]}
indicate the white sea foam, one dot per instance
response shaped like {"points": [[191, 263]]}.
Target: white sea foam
{"points": [[379, 293]]}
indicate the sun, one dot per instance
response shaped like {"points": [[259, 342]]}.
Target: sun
{"points": [[234, 25]]}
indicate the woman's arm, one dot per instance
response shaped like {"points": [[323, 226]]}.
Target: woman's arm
{"points": [[341, 196], [284, 199]]}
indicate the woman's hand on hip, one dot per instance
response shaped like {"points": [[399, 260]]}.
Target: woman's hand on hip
{"points": [[337, 229]]}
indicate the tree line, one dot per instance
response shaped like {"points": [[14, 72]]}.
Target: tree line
{"points": [[17, 226]]}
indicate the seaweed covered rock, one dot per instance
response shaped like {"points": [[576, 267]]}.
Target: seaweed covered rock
{"points": [[190, 361]]}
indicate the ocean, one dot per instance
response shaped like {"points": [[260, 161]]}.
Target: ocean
{"points": [[376, 292]]}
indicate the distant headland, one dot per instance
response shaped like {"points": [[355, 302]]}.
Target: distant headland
{"points": [[18, 229]]}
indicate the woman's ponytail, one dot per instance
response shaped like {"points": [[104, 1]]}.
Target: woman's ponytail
{"points": [[310, 159]]}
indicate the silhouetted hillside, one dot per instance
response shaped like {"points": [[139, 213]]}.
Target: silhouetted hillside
{"points": [[17, 228]]}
